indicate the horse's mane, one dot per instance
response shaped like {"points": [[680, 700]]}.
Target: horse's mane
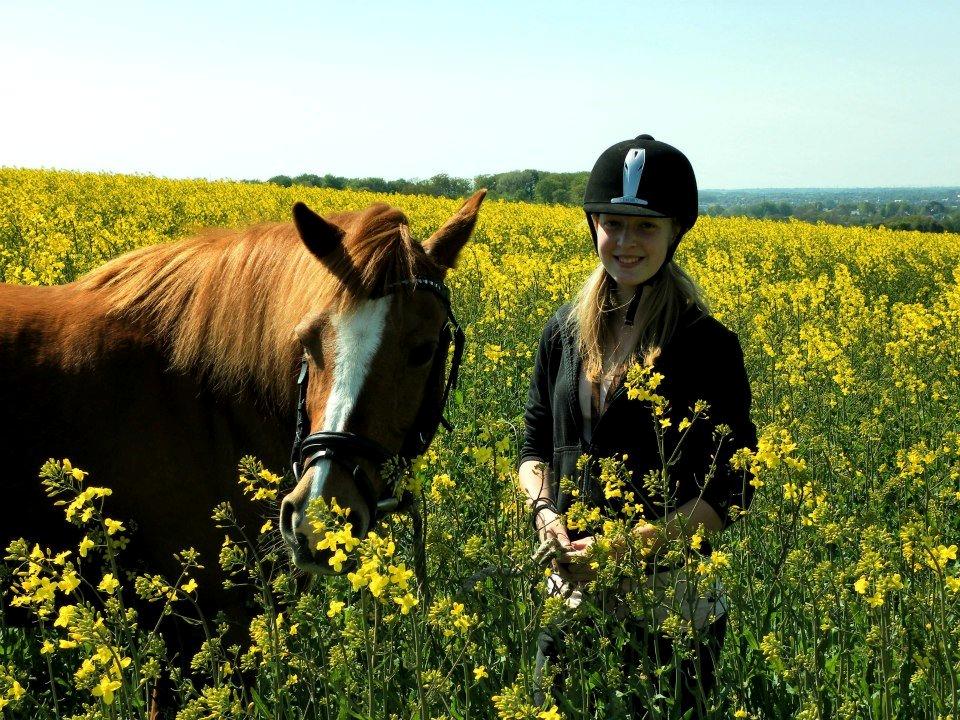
{"points": [[226, 302]]}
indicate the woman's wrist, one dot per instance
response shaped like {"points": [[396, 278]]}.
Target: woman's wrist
{"points": [[539, 504], [542, 502]]}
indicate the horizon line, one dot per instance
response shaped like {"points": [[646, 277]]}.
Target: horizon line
{"points": [[419, 179]]}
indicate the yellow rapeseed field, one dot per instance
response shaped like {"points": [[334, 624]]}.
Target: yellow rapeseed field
{"points": [[842, 578]]}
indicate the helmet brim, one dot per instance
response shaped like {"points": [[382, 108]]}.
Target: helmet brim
{"points": [[621, 209]]}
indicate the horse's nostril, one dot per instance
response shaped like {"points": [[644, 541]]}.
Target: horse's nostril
{"points": [[288, 519]]}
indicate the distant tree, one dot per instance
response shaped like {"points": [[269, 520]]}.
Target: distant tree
{"points": [[518, 184], [578, 188], [486, 181], [333, 181], [281, 180], [550, 188], [373, 184], [308, 180], [446, 186]]}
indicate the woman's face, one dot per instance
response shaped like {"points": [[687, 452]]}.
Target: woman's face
{"points": [[632, 247]]}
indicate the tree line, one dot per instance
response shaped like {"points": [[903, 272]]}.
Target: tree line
{"points": [[839, 207], [536, 186], [929, 216]]}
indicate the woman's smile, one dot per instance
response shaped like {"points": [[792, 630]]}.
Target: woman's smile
{"points": [[629, 261]]}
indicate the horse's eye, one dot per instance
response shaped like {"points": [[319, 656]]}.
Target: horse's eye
{"points": [[422, 354]]}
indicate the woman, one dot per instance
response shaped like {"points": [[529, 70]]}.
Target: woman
{"points": [[637, 306]]}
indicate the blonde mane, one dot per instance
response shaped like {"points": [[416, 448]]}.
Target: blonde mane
{"points": [[225, 303]]}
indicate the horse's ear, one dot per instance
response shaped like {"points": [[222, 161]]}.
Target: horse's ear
{"points": [[320, 237], [446, 243]]}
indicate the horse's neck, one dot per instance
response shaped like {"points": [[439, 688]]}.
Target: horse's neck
{"points": [[64, 336]]}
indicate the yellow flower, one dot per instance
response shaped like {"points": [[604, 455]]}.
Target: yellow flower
{"points": [[337, 560], [336, 606], [345, 537], [105, 689], [48, 648], [552, 714], [270, 477], [113, 526], [189, 586], [357, 580], [940, 555], [65, 616], [493, 353], [406, 603], [480, 672], [69, 582], [16, 690], [861, 585], [109, 584], [85, 545], [399, 575], [377, 584], [266, 527]]}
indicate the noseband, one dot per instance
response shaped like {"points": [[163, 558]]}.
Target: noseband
{"points": [[344, 448]]}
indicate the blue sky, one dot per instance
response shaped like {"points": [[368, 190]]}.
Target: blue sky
{"points": [[758, 94]]}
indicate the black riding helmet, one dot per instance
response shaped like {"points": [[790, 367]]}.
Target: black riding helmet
{"points": [[647, 177], [642, 176]]}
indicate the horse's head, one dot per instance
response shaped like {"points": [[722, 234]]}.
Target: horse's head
{"points": [[372, 383]]}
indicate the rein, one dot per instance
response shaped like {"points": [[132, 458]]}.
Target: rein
{"points": [[344, 448]]}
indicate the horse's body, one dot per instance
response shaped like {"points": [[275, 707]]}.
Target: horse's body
{"points": [[78, 383], [159, 371]]}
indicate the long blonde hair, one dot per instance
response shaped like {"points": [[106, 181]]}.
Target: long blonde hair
{"points": [[593, 321]]}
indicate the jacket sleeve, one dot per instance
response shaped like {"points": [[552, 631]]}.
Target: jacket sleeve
{"points": [[726, 388], [538, 413]]}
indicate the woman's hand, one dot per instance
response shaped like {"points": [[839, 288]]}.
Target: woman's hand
{"points": [[576, 565], [554, 540], [650, 536]]}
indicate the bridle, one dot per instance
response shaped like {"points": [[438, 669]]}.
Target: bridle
{"points": [[344, 448]]}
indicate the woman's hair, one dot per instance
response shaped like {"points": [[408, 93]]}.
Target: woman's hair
{"points": [[593, 322]]}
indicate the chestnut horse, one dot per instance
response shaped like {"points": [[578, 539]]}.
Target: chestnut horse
{"points": [[158, 371]]}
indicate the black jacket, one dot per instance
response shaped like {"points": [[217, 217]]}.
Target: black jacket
{"points": [[702, 360]]}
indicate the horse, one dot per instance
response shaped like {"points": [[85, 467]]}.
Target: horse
{"points": [[160, 370]]}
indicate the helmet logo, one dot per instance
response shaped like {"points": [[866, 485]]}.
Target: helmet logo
{"points": [[632, 170]]}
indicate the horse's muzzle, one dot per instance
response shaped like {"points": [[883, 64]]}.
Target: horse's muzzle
{"points": [[296, 534]]}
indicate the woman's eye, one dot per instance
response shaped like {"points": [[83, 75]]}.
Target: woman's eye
{"points": [[422, 354]]}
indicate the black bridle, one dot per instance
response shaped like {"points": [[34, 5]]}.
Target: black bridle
{"points": [[344, 448]]}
